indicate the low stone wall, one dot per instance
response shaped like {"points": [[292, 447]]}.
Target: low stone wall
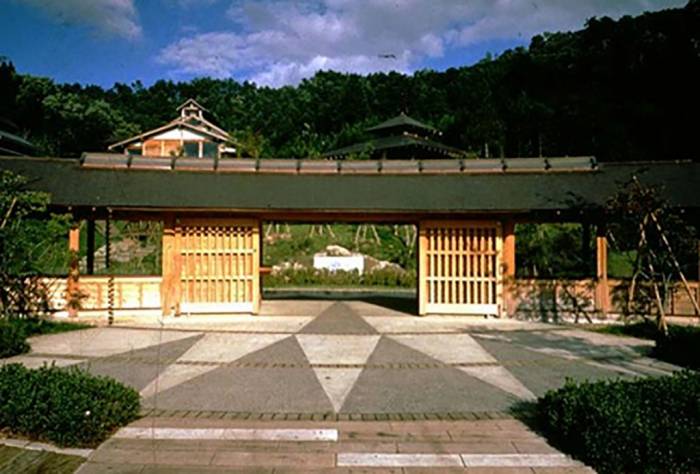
{"points": [[548, 300], [130, 292], [552, 300]]}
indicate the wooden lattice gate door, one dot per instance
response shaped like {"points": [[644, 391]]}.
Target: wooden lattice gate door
{"points": [[219, 265], [460, 267]]}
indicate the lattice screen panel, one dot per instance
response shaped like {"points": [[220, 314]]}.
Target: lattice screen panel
{"points": [[460, 267], [219, 268]]}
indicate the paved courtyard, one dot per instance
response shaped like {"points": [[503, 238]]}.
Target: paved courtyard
{"points": [[341, 386], [342, 360]]}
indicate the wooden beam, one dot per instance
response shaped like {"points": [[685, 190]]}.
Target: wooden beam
{"points": [[73, 282], [91, 246], [602, 287]]}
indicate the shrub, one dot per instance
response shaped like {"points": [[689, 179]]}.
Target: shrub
{"points": [[13, 339], [69, 407], [681, 346], [386, 277], [642, 425]]}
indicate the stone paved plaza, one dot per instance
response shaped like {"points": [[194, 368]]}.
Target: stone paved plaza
{"points": [[342, 358], [402, 384]]}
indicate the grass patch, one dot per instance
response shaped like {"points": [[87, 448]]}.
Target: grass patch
{"points": [[644, 425], [299, 242], [33, 461]]}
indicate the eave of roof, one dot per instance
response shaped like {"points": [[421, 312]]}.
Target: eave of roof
{"points": [[12, 138], [217, 133], [191, 101], [402, 120], [397, 141], [75, 186]]}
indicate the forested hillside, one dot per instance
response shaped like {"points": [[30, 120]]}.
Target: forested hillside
{"points": [[620, 90]]}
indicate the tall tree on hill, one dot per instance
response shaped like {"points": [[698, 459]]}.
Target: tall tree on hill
{"points": [[620, 90]]}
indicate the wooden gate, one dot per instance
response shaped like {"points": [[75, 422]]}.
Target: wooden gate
{"points": [[460, 267], [219, 265]]}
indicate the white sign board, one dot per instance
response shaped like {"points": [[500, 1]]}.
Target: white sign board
{"points": [[348, 264]]}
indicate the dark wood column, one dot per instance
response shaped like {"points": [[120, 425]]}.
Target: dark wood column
{"points": [[90, 246], [586, 248], [108, 230]]}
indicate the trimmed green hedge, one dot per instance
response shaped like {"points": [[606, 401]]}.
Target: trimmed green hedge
{"points": [[13, 339], [387, 277], [68, 407], [680, 347], [15, 331], [642, 425]]}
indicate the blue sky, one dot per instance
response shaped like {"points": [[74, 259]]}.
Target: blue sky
{"points": [[275, 42]]}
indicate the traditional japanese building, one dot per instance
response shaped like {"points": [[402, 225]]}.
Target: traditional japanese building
{"points": [[212, 210], [190, 135], [399, 138]]}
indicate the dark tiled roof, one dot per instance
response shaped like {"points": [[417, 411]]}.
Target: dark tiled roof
{"points": [[526, 185], [397, 142], [402, 120]]}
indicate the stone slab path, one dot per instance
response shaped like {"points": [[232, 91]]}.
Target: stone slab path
{"points": [[193, 445]]}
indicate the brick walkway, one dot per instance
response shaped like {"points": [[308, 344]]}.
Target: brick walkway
{"points": [[207, 445]]}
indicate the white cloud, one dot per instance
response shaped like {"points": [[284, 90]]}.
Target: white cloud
{"points": [[283, 41], [112, 17]]}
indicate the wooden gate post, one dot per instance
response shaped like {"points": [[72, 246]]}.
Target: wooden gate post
{"points": [[257, 280], [169, 296], [508, 267], [422, 283], [602, 292], [73, 281]]}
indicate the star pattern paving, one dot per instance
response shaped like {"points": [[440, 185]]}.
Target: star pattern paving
{"points": [[340, 361]]}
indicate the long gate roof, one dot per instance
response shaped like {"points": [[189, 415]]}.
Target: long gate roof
{"points": [[515, 186]]}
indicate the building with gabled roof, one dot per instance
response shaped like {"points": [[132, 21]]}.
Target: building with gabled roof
{"points": [[400, 137], [190, 135]]}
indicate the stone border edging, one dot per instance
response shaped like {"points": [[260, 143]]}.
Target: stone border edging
{"points": [[37, 446], [252, 416]]}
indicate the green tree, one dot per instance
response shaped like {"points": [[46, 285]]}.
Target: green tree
{"points": [[22, 242], [660, 242]]}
